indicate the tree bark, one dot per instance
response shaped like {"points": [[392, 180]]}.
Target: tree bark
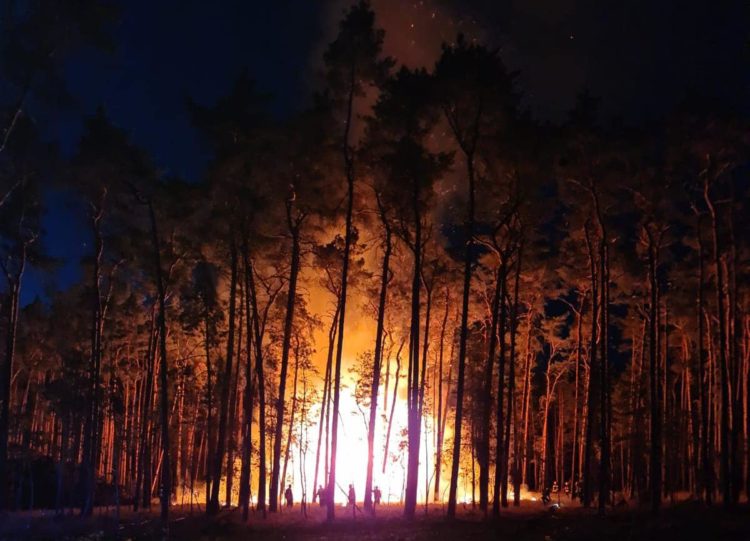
{"points": [[247, 402], [258, 342], [468, 256], [166, 470], [293, 225], [348, 237], [377, 359], [213, 505]]}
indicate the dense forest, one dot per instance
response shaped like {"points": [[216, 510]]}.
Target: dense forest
{"points": [[413, 285]]}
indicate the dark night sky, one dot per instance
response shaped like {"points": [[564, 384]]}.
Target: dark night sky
{"points": [[642, 57]]}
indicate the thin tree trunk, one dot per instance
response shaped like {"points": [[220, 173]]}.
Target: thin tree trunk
{"points": [[724, 473], [484, 444], [213, 505], [232, 425], [439, 425], [258, 341], [576, 400], [468, 257], [592, 363], [166, 489], [247, 402], [209, 408], [393, 405], [499, 419], [286, 344], [655, 470], [511, 385], [90, 443], [413, 419], [348, 234], [325, 403], [377, 359]]}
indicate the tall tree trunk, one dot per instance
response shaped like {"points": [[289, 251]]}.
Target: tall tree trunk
{"points": [[247, 402], [232, 423], [258, 342], [377, 359], [483, 450], [288, 446], [393, 405], [724, 473], [440, 417], [14, 288], [655, 470], [213, 505], [143, 465], [348, 238], [499, 419], [420, 405], [90, 443], [592, 363], [166, 470], [413, 419], [604, 406], [576, 400], [526, 399], [326, 402], [209, 407], [286, 344], [734, 345], [510, 414], [468, 256]]}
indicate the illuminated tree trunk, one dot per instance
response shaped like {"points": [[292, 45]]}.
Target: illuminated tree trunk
{"points": [[724, 474], [377, 359], [213, 505], [425, 351], [247, 397], [326, 402], [592, 363], [440, 424], [291, 420], [484, 443], [143, 476], [232, 423], [294, 230], [258, 342], [118, 411], [577, 386], [510, 413], [90, 440], [468, 256], [179, 478], [393, 405], [209, 407], [499, 428], [655, 469], [605, 407], [413, 381], [166, 470], [348, 234], [734, 326], [526, 399]]}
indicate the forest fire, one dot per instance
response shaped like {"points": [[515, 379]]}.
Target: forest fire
{"points": [[420, 301]]}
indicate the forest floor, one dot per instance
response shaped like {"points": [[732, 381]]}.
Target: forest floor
{"points": [[531, 521]]}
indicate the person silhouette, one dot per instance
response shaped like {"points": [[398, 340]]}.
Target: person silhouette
{"points": [[352, 495], [377, 495], [321, 496], [289, 496], [352, 499]]}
